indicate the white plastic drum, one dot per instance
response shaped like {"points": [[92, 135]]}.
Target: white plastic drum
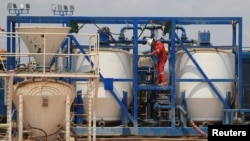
{"points": [[116, 64], [203, 104]]}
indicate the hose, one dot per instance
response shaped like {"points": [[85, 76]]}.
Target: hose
{"points": [[45, 134], [191, 122]]}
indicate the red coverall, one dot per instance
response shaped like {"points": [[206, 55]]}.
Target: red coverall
{"points": [[161, 53]]}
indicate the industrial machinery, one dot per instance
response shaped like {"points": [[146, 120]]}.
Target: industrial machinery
{"points": [[71, 85]]}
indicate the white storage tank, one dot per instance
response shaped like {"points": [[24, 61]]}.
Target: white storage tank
{"points": [[203, 105], [114, 64]]}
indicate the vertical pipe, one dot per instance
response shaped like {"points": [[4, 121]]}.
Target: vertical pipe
{"points": [[89, 110], [94, 125], [20, 118], [96, 86], [67, 118], [44, 50]]}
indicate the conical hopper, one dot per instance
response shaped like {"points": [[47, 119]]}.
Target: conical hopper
{"points": [[43, 39]]}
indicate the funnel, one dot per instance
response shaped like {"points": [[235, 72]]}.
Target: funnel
{"points": [[43, 39]]}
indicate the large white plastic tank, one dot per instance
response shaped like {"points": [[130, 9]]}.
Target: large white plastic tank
{"points": [[203, 104], [115, 64], [44, 105]]}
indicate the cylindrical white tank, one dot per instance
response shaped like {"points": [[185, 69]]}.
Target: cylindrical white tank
{"points": [[44, 105], [203, 104], [114, 63]]}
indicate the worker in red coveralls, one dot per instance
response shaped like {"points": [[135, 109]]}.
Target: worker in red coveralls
{"points": [[158, 49]]}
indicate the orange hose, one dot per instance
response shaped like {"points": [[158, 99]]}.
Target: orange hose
{"points": [[203, 134]]}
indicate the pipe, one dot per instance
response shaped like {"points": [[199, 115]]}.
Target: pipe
{"points": [[191, 122], [158, 106], [123, 29], [144, 41], [43, 131], [203, 134], [177, 122], [182, 110], [205, 123], [2, 125], [183, 35], [101, 123]]}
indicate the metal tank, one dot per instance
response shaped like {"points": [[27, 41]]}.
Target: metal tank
{"points": [[38, 42], [43, 103], [44, 106], [114, 64], [203, 104]]}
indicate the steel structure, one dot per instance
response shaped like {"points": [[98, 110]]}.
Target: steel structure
{"points": [[130, 124]]}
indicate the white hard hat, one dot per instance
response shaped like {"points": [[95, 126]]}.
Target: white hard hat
{"points": [[149, 41]]}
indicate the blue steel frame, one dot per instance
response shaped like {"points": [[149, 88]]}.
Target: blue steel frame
{"points": [[135, 21]]}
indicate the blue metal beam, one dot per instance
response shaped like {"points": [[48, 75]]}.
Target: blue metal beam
{"points": [[141, 131], [123, 20]]}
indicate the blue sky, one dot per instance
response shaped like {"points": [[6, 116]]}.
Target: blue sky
{"points": [[144, 8]]}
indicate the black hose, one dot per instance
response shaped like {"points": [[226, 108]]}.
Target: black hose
{"points": [[45, 134]]}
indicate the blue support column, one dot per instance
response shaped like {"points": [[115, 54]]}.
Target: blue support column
{"points": [[172, 72], [124, 101], [79, 108], [240, 86], [135, 74]]}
